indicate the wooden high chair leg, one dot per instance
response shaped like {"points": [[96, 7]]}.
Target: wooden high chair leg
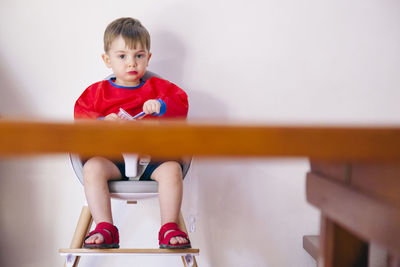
{"points": [[82, 228], [188, 260]]}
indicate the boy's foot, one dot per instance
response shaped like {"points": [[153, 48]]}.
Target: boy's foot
{"points": [[104, 236], [98, 239], [171, 237], [95, 239], [177, 239]]}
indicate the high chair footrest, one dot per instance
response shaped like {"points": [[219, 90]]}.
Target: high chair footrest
{"points": [[133, 251]]}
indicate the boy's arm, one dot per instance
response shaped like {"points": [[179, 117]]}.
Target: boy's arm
{"points": [[84, 106], [176, 103]]}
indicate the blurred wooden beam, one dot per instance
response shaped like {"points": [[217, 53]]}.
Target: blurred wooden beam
{"points": [[170, 139]]}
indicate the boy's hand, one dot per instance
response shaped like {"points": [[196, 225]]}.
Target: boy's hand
{"points": [[151, 106], [112, 117]]}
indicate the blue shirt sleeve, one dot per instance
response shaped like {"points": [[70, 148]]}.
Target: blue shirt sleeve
{"points": [[163, 108]]}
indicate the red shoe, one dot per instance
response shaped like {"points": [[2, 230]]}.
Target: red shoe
{"points": [[164, 239], [109, 233]]}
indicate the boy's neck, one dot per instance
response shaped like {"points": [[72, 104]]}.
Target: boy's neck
{"points": [[127, 84]]}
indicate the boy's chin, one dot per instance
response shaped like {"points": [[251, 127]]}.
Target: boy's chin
{"points": [[132, 78]]}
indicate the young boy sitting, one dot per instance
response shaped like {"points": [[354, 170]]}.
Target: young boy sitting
{"points": [[127, 53]]}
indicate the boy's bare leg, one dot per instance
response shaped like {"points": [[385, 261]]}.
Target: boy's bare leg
{"points": [[96, 172], [170, 189]]}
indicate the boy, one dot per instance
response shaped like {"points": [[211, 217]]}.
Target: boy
{"points": [[127, 53]]}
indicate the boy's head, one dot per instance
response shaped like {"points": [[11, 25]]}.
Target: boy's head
{"points": [[127, 50], [130, 29]]}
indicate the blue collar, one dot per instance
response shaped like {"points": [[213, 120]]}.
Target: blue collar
{"points": [[112, 81]]}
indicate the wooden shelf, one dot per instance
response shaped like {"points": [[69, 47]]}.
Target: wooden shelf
{"points": [[311, 245], [133, 251]]}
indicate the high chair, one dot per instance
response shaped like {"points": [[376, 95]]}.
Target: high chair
{"points": [[131, 191]]}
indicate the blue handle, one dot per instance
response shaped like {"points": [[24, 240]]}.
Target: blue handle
{"points": [[139, 115]]}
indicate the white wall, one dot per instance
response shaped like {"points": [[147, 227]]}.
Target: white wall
{"points": [[325, 62]]}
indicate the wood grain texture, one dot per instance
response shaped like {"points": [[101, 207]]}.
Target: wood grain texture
{"points": [[170, 139]]}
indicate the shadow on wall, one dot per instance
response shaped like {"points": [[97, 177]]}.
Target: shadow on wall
{"points": [[233, 228], [229, 223], [13, 101], [216, 190], [168, 61], [18, 217], [168, 56], [18, 196]]}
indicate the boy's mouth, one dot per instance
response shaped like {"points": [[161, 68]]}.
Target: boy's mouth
{"points": [[132, 72]]}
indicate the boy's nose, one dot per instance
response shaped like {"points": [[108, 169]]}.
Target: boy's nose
{"points": [[131, 62]]}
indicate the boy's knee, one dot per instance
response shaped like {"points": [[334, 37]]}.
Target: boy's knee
{"points": [[170, 170], [94, 167], [174, 168]]}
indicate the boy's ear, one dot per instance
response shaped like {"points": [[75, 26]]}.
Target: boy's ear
{"points": [[148, 59], [106, 59]]}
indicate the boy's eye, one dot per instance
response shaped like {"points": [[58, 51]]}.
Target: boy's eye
{"points": [[140, 56], [121, 56]]}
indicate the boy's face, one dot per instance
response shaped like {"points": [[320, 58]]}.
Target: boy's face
{"points": [[128, 65]]}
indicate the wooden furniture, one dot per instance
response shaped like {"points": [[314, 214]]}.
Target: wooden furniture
{"points": [[354, 177], [360, 204]]}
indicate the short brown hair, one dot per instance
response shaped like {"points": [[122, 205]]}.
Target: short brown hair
{"points": [[130, 29]]}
